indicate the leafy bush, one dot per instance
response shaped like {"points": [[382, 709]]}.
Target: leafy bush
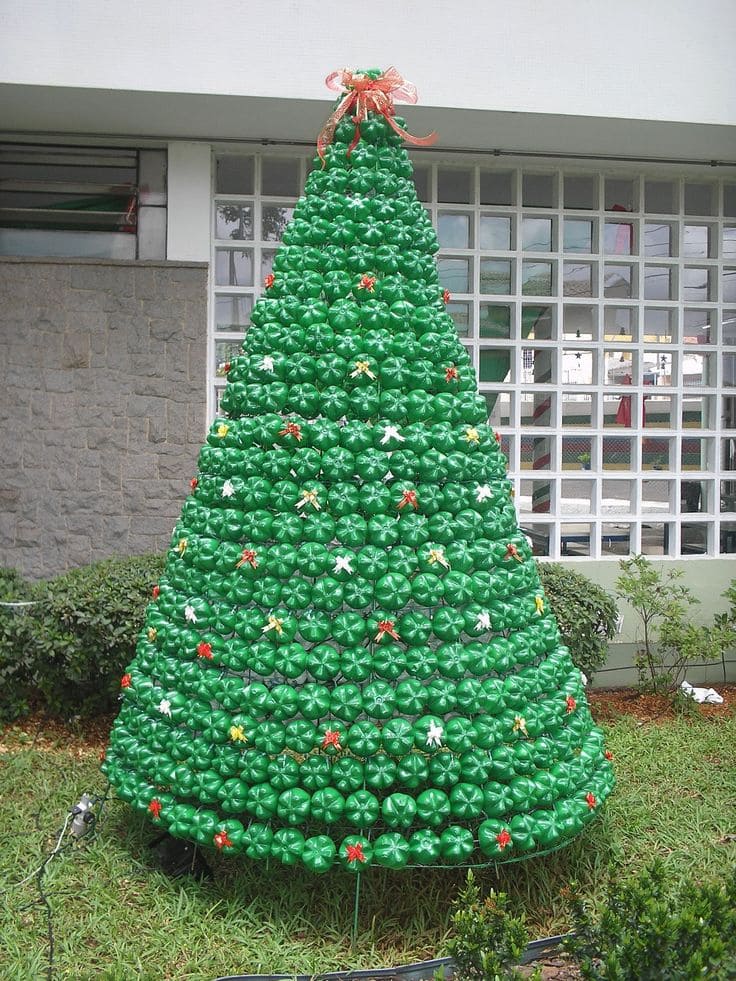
{"points": [[488, 939], [647, 932], [16, 661], [585, 613], [669, 639], [84, 630]]}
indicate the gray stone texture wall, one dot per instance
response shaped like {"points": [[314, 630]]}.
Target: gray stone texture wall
{"points": [[102, 406]]}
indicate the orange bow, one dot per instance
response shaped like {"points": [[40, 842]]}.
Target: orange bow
{"points": [[364, 94]]}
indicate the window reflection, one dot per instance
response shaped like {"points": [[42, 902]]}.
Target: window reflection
{"points": [[618, 238], [496, 187], [495, 232], [234, 221], [280, 177], [460, 314], [495, 276], [274, 220], [617, 280], [580, 322], [454, 185], [495, 320], [657, 283], [696, 240], [659, 240], [577, 235], [232, 312], [233, 267], [577, 279], [536, 234], [536, 278], [454, 274], [454, 231]]}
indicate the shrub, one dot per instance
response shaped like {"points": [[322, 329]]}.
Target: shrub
{"points": [[84, 631], [585, 613], [488, 939], [647, 932], [16, 661], [669, 639]]}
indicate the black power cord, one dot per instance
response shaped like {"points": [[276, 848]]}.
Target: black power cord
{"points": [[85, 817]]}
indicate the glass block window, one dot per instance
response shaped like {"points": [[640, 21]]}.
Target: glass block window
{"points": [[88, 202], [599, 310]]}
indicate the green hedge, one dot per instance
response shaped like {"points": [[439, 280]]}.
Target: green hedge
{"points": [[16, 656], [585, 612], [71, 647]]}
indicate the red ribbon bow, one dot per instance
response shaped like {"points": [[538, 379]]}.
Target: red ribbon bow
{"points": [[364, 94], [248, 557], [386, 627], [355, 853], [292, 429], [408, 497], [331, 738]]}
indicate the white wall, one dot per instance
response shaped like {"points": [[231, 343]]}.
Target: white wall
{"points": [[632, 59]]}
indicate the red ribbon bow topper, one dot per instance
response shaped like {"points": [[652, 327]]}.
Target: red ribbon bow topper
{"points": [[386, 627], [590, 800], [222, 841], [126, 681], [154, 808], [363, 94], [204, 650], [503, 838], [570, 704]]}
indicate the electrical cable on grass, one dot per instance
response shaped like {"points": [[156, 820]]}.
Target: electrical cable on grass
{"points": [[87, 822]]}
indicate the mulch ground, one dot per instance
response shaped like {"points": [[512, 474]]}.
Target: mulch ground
{"points": [[609, 704]]}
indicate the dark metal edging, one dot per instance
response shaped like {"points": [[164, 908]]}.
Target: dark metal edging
{"points": [[421, 971]]}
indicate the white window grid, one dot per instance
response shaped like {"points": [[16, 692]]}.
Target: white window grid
{"points": [[573, 507]]}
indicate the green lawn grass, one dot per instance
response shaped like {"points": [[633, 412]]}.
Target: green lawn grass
{"points": [[116, 917]]}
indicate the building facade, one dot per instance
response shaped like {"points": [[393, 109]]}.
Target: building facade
{"points": [[583, 188]]}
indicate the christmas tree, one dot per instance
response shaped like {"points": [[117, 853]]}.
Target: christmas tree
{"points": [[349, 657]]}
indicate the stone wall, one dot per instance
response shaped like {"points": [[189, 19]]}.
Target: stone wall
{"points": [[102, 406]]}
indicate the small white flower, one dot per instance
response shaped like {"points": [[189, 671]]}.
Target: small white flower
{"points": [[189, 614], [267, 363], [164, 707], [227, 489], [484, 621], [483, 493], [342, 564], [434, 734]]}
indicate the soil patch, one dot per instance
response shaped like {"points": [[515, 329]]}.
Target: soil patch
{"points": [[610, 704]]}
